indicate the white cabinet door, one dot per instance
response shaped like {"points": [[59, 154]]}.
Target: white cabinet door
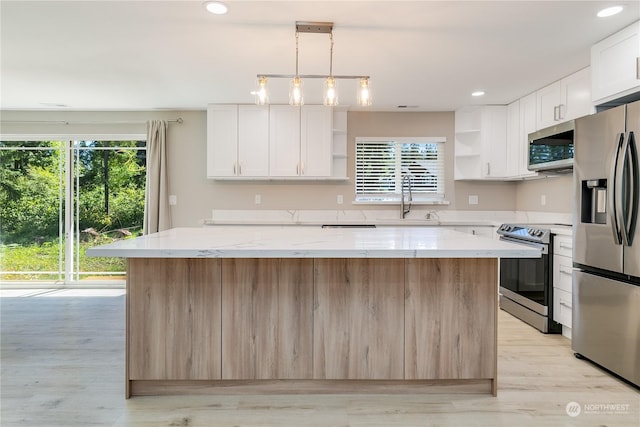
{"points": [[615, 65], [253, 141], [528, 124], [576, 95], [222, 140], [284, 141], [548, 101], [480, 143], [494, 141], [316, 141], [565, 99], [513, 139]]}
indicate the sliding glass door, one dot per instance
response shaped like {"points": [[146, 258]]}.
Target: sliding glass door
{"points": [[58, 198]]}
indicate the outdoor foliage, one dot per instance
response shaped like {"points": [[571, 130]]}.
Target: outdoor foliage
{"points": [[109, 188], [111, 192]]}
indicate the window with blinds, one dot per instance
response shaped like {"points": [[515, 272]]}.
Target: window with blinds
{"points": [[382, 162]]}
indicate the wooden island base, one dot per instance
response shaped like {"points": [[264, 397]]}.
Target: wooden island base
{"points": [[304, 325]]}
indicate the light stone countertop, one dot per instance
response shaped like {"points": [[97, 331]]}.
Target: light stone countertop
{"points": [[312, 242]]}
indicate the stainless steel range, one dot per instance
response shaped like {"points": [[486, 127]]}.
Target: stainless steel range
{"points": [[526, 284]]}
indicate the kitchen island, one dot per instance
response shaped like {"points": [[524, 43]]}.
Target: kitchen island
{"points": [[281, 309]]}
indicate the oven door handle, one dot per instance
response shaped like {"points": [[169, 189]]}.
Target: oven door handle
{"points": [[543, 248]]}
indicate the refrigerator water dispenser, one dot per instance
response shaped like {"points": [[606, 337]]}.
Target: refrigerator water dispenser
{"points": [[594, 201]]}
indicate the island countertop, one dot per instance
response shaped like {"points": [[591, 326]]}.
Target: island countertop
{"points": [[312, 242]]}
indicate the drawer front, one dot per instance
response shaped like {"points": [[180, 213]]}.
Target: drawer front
{"points": [[563, 245], [562, 273], [562, 307]]}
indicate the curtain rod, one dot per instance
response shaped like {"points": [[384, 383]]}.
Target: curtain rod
{"points": [[179, 120]]}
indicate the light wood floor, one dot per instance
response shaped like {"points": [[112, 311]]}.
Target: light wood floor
{"points": [[63, 365]]}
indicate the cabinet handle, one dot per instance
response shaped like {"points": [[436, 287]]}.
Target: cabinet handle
{"points": [[298, 169], [488, 168], [555, 113], [302, 169], [239, 168], [565, 246], [638, 68], [235, 171], [560, 114], [562, 302], [567, 272]]}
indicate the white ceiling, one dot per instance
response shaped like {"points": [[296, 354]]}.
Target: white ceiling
{"points": [[429, 55]]}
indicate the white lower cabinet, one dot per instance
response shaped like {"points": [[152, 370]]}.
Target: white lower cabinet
{"points": [[562, 282]]}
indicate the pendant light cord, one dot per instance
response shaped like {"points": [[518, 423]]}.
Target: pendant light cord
{"points": [[297, 54], [331, 55]]}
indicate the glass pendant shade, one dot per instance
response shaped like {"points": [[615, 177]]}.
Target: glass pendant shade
{"points": [[262, 95], [364, 93], [330, 92], [295, 92]]}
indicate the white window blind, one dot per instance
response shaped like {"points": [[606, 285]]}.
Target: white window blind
{"points": [[382, 162]]}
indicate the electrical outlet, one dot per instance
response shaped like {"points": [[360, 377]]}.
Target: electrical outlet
{"points": [[173, 200], [257, 199], [543, 199], [340, 199], [473, 199]]}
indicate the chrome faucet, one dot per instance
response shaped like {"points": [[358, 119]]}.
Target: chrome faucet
{"points": [[403, 211]]}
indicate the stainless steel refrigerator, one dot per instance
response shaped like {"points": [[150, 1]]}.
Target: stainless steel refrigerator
{"points": [[606, 240]]}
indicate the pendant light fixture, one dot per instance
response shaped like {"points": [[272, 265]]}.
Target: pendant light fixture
{"points": [[295, 87], [330, 96], [330, 92]]}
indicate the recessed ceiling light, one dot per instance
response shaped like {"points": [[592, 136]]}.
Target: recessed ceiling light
{"points": [[610, 11], [477, 93], [216, 7]]}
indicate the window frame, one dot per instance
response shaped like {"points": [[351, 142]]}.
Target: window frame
{"points": [[418, 197]]}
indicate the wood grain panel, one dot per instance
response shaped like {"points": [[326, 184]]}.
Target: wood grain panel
{"points": [[174, 318], [267, 318], [450, 320], [358, 319]]}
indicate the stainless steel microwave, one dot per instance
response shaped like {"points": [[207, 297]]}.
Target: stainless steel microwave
{"points": [[551, 149]]}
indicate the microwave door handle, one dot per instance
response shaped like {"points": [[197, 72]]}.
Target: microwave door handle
{"points": [[630, 198], [613, 191]]}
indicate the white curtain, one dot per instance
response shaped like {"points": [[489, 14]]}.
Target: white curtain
{"points": [[157, 214]]}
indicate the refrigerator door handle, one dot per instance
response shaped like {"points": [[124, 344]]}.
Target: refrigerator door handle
{"points": [[629, 179], [615, 193]]}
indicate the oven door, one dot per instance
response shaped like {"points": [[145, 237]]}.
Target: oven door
{"points": [[526, 280]]}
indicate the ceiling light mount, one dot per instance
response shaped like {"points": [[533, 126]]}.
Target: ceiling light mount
{"points": [[330, 86], [314, 27]]}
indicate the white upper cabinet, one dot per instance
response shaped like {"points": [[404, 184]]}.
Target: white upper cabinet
{"points": [[284, 141], [513, 139], [253, 141], [273, 142], [521, 121], [222, 140], [316, 141], [480, 143], [615, 65], [237, 141], [528, 124], [301, 141], [565, 99]]}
